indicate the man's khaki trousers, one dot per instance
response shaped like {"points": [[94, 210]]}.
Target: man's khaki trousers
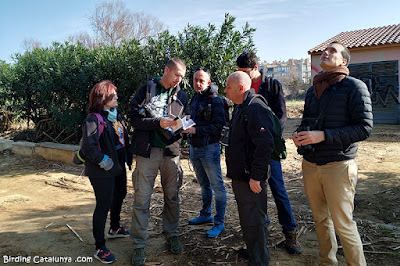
{"points": [[330, 190]]}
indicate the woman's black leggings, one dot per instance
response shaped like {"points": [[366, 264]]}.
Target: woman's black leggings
{"points": [[110, 193]]}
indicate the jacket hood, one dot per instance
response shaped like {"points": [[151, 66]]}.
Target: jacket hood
{"points": [[157, 80], [212, 89]]}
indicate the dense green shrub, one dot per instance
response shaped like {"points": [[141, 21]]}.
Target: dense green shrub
{"points": [[54, 82], [5, 85]]}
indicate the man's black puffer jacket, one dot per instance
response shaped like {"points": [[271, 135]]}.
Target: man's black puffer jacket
{"points": [[251, 142], [207, 111], [348, 119]]}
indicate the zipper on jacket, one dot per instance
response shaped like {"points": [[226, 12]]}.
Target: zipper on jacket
{"points": [[148, 147]]}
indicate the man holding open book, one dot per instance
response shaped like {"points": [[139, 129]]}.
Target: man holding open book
{"points": [[154, 110]]}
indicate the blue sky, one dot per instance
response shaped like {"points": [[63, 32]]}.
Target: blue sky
{"points": [[285, 28]]}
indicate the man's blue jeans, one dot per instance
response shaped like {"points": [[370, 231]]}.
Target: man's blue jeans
{"points": [[281, 198], [207, 166]]}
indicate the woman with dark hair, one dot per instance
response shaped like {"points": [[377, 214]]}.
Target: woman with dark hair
{"points": [[105, 149]]}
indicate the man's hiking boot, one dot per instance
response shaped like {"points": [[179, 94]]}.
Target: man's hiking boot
{"points": [[175, 245], [138, 258], [291, 244]]}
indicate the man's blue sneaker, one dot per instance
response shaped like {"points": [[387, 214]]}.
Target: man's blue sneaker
{"points": [[201, 220], [215, 230]]}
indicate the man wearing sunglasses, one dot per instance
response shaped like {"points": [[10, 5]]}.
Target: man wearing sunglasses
{"points": [[271, 90], [207, 111]]}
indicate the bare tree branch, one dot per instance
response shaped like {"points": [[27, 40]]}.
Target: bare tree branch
{"points": [[112, 22], [146, 26], [83, 38], [28, 44]]}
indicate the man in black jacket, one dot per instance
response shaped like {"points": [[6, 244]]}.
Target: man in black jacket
{"points": [[337, 114], [248, 155], [153, 109], [271, 90], [207, 111]]}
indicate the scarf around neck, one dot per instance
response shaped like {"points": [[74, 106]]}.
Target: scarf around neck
{"points": [[325, 79]]}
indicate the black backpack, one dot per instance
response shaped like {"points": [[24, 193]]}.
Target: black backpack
{"points": [[279, 152], [228, 108]]}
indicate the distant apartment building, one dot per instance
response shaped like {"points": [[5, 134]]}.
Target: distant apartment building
{"points": [[300, 68]]}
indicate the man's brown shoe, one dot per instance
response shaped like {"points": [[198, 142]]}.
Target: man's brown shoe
{"points": [[292, 245]]}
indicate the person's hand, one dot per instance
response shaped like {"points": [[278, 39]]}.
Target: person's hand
{"points": [[304, 138], [190, 130], [255, 186], [167, 122], [295, 139], [107, 163]]}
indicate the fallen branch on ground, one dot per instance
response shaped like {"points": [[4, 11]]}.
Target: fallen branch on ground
{"points": [[226, 237], [381, 252], [70, 228], [189, 211], [385, 226], [63, 185], [48, 225], [278, 242]]}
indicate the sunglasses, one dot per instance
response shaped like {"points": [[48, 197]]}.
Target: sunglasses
{"points": [[202, 68]]}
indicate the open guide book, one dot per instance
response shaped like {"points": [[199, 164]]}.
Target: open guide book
{"points": [[182, 124]]}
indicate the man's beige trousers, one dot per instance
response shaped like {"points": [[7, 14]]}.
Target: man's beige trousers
{"points": [[330, 191]]}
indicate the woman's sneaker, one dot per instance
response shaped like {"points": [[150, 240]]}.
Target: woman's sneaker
{"points": [[121, 232], [104, 255]]}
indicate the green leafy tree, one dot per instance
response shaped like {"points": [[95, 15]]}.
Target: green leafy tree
{"points": [[53, 83], [210, 47], [6, 76]]}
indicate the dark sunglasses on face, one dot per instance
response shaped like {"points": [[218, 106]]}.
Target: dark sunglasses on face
{"points": [[202, 68]]}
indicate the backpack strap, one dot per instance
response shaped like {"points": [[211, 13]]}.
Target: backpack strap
{"points": [[150, 92], [100, 124], [266, 103], [279, 151], [245, 115]]}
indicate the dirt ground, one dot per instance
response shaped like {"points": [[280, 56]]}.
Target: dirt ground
{"points": [[39, 198]]}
